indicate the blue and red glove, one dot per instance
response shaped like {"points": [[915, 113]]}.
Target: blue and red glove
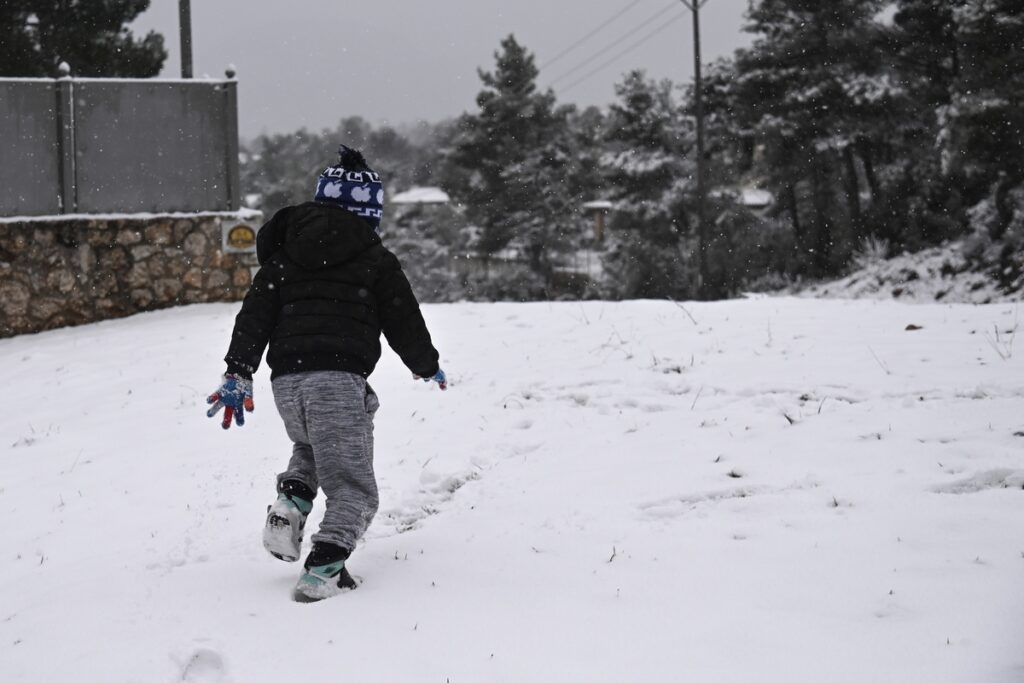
{"points": [[235, 397], [439, 377]]}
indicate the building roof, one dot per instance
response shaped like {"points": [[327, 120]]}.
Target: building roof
{"points": [[421, 195], [755, 198]]}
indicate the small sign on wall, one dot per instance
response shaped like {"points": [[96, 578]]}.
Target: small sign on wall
{"points": [[239, 237]]}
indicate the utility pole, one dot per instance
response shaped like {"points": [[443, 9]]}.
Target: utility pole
{"points": [[185, 30], [698, 91]]}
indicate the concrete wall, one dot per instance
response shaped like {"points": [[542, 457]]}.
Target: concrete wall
{"points": [[93, 145], [59, 272], [30, 173]]}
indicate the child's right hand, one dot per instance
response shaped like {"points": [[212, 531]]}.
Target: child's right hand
{"points": [[235, 396]]}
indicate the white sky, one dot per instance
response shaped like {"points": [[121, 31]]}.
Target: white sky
{"points": [[312, 62]]}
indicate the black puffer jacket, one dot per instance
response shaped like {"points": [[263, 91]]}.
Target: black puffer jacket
{"points": [[325, 291]]}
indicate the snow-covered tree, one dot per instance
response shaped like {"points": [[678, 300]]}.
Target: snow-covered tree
{"points": [[425, 238], [987, 108], [984, 136], [649, 167], [281, 169], [926, 201], [509, 161], [813, 90]]}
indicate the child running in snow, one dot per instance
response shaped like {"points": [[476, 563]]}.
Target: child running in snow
{"points": [[325, 290]]}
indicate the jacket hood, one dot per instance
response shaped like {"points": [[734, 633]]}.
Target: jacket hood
{"points": [[315, 235]]}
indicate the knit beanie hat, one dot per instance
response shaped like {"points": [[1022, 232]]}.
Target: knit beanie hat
{"points": [[353, 185]]}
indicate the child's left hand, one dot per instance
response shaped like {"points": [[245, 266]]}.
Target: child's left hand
{"points": [[439, 377], [235, 396]]}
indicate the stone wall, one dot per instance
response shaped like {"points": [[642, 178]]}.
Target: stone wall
{"points": [[68, 271]]}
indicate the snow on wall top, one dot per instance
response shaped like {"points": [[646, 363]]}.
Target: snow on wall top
{"points": [[243, 214]]}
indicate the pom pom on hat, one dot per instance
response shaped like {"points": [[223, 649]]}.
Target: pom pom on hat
{"points": [[352, 184], [351, 158]]}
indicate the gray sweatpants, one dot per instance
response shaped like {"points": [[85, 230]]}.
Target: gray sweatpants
{"points": [[329, 418]]}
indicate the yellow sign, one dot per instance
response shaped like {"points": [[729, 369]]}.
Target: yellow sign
{"points": [[242, 237]]}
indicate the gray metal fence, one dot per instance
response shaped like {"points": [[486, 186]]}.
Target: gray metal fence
{"points": [[89, 145]]}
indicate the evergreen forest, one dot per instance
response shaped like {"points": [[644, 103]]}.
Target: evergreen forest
{"points": [[846, 128]]}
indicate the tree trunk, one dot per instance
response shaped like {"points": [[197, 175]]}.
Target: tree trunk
{"points": [[794, 214], [851, 188], [864, 150], [1004, 209], [823, 228]]}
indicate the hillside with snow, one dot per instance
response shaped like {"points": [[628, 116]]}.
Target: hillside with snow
{"points": [[760, 490], [936, 274]]}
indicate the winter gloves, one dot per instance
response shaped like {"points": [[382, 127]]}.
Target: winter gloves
{"points": [[439, 377], [234, 395]]}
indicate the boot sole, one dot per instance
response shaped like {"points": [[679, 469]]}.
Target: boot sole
{"points": [[278, 541]]}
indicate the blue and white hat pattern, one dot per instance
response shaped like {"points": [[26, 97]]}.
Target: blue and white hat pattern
{"points": [[353, 185]]}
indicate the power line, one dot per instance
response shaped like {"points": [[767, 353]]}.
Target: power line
{"points": [[589, 60], [621, 54], [590, 35]]}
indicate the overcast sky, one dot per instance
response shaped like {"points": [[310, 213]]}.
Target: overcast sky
{"points": [[312, 62]]}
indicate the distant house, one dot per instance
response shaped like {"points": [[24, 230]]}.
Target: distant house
{"points": [[597, 210], [421, 196], [755, 199], [752, 199]]}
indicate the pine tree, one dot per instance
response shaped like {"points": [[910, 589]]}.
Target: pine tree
{"points": [[984, 133], [649, 169], [17, 47], [745, 248], [90, 35], [926, 54], [927, 49], [988, 100], [510, 160], [584, 180], [814, 97]]}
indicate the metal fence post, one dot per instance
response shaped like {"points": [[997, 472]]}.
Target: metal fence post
{"points": [[185, 29], [231, 138], [65, 93]]}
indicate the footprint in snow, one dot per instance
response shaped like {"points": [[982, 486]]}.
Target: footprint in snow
{"points": [[204, 666], [677, 506], [576, 399], [435, 491], [992, 479]]}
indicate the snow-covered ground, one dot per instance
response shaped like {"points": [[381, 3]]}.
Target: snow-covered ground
{"points": [[762, 490]]}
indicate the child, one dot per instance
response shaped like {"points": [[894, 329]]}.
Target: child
{"points": [[325, 291]]}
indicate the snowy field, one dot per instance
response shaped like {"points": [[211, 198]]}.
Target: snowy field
{"points": [[761, 490]]}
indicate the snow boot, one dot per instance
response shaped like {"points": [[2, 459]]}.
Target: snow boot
{"points": [[286, 520], [325, 574]]}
